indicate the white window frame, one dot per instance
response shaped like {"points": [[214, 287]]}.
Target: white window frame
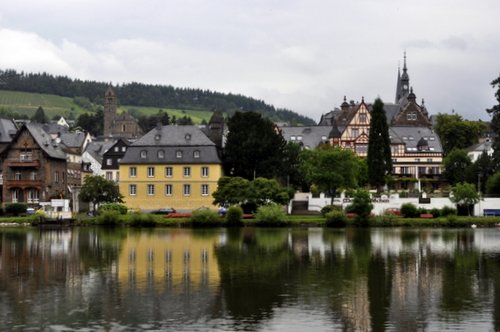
{"points": [[186, 172], [168, 190], [132, 189], [150, 189], [204, 190], [186, 190], [204, 172], [151, 172], [132, 172], [169, 171]]}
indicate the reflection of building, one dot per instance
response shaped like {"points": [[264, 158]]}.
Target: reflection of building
{"points": [[176, 259], [174, 166]]}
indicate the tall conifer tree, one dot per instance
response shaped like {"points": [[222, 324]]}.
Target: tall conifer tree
{"points": [[379, 147], [495, 124]]}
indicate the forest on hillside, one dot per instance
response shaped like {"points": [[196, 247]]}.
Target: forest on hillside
{"points": [[139, 94]]}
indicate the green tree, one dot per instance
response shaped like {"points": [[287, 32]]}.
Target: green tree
{"points": [[495, 123], [98, 190], [231, 191], [292, 175], [261, 191], [361, 205], [92, 123], [457, 133], [267, 191], [456, 166], [379, 147], [254, 147], [465, 194], [330, 168], [493, 185], [481, 170], [39, 116]]}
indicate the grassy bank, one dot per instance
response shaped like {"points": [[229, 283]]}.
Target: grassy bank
{"points": [[150, 220]]}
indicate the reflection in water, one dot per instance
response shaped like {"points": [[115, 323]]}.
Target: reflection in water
{"points": [[250, 279]]}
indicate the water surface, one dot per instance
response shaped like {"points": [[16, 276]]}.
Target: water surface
{"points": [[248, 279]]}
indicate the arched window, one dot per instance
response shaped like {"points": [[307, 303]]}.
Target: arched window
{"points": [[161, 154], [144, 154]]}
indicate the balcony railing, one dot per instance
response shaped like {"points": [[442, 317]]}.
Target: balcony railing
{"points": [[23, 163], [23, 184]]}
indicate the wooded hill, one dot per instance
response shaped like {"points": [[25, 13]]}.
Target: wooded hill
{"points": [[141, 97]]}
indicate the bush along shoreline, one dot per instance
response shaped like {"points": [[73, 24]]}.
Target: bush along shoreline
{"points": [[268, 216]]}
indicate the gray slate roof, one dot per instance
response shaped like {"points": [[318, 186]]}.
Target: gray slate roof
{"points": [[170, 140], [174, 136], [73, 140], [310, 136], [411, 135], [8, 130], [43, 139]]}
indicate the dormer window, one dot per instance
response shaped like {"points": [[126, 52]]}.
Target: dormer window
{"points": [[187, 137], [178, 154], [161, 154], [411, 116], [196, 154], [144, 154]]}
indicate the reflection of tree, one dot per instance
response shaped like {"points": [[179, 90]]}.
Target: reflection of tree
{"points": [[254, 274], [379, 291], [99, 247]]}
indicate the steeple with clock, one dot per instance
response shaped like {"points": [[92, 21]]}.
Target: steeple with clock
{"points": [[403, 83]]}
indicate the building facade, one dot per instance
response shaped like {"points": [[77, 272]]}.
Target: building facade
{"points": [[118, 125], [34, 167], [416, 150], [170, 166]]}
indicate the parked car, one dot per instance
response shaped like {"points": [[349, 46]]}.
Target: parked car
{"points": [[166, 210]]}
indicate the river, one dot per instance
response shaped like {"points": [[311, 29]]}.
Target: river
{"points": [[249, 279]]}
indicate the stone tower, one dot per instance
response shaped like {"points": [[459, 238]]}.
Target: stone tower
{"points": [[110, 107]]}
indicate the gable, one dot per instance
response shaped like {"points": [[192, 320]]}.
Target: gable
{"points": [[411, 116]]}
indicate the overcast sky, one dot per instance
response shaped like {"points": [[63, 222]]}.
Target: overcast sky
{"points": [[300, 55]]}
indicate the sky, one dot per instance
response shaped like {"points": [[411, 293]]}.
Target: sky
{"points": [[301, 55]]}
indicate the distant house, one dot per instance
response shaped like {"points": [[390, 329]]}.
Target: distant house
{"points": [[476, 150], [8, 130], [174, 166], [93, 156], [34, 167], [416, 150], [112, 157], [118, 125]]}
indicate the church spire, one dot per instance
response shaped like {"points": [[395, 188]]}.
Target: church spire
{"points": [[403, 83]]}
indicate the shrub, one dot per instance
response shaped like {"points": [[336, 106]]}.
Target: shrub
{"points": [[270, 215], [409, 210], [109, 218], [119, 208], [205, 218], [447, 210], [329, 208], [234, 215], [362, 206], [387, 219], [142, 220], [435, 212], [16, 208], [336, 218], [421, 210]]}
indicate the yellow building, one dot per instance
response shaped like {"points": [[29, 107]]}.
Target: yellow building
{"points": [[171, 166]]}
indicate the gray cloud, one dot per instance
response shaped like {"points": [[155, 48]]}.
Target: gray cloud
{"points": [[301, 55]]}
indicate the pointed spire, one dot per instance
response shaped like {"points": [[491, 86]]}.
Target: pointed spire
{"points": [[404, 62]]}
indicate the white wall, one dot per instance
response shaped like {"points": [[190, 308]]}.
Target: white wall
{"points": [[394, 201]]}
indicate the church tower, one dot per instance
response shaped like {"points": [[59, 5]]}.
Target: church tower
{"points": [[403, 83], [110, 107]]}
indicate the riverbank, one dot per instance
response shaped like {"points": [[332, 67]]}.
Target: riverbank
{"points": [[149, 220]]}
